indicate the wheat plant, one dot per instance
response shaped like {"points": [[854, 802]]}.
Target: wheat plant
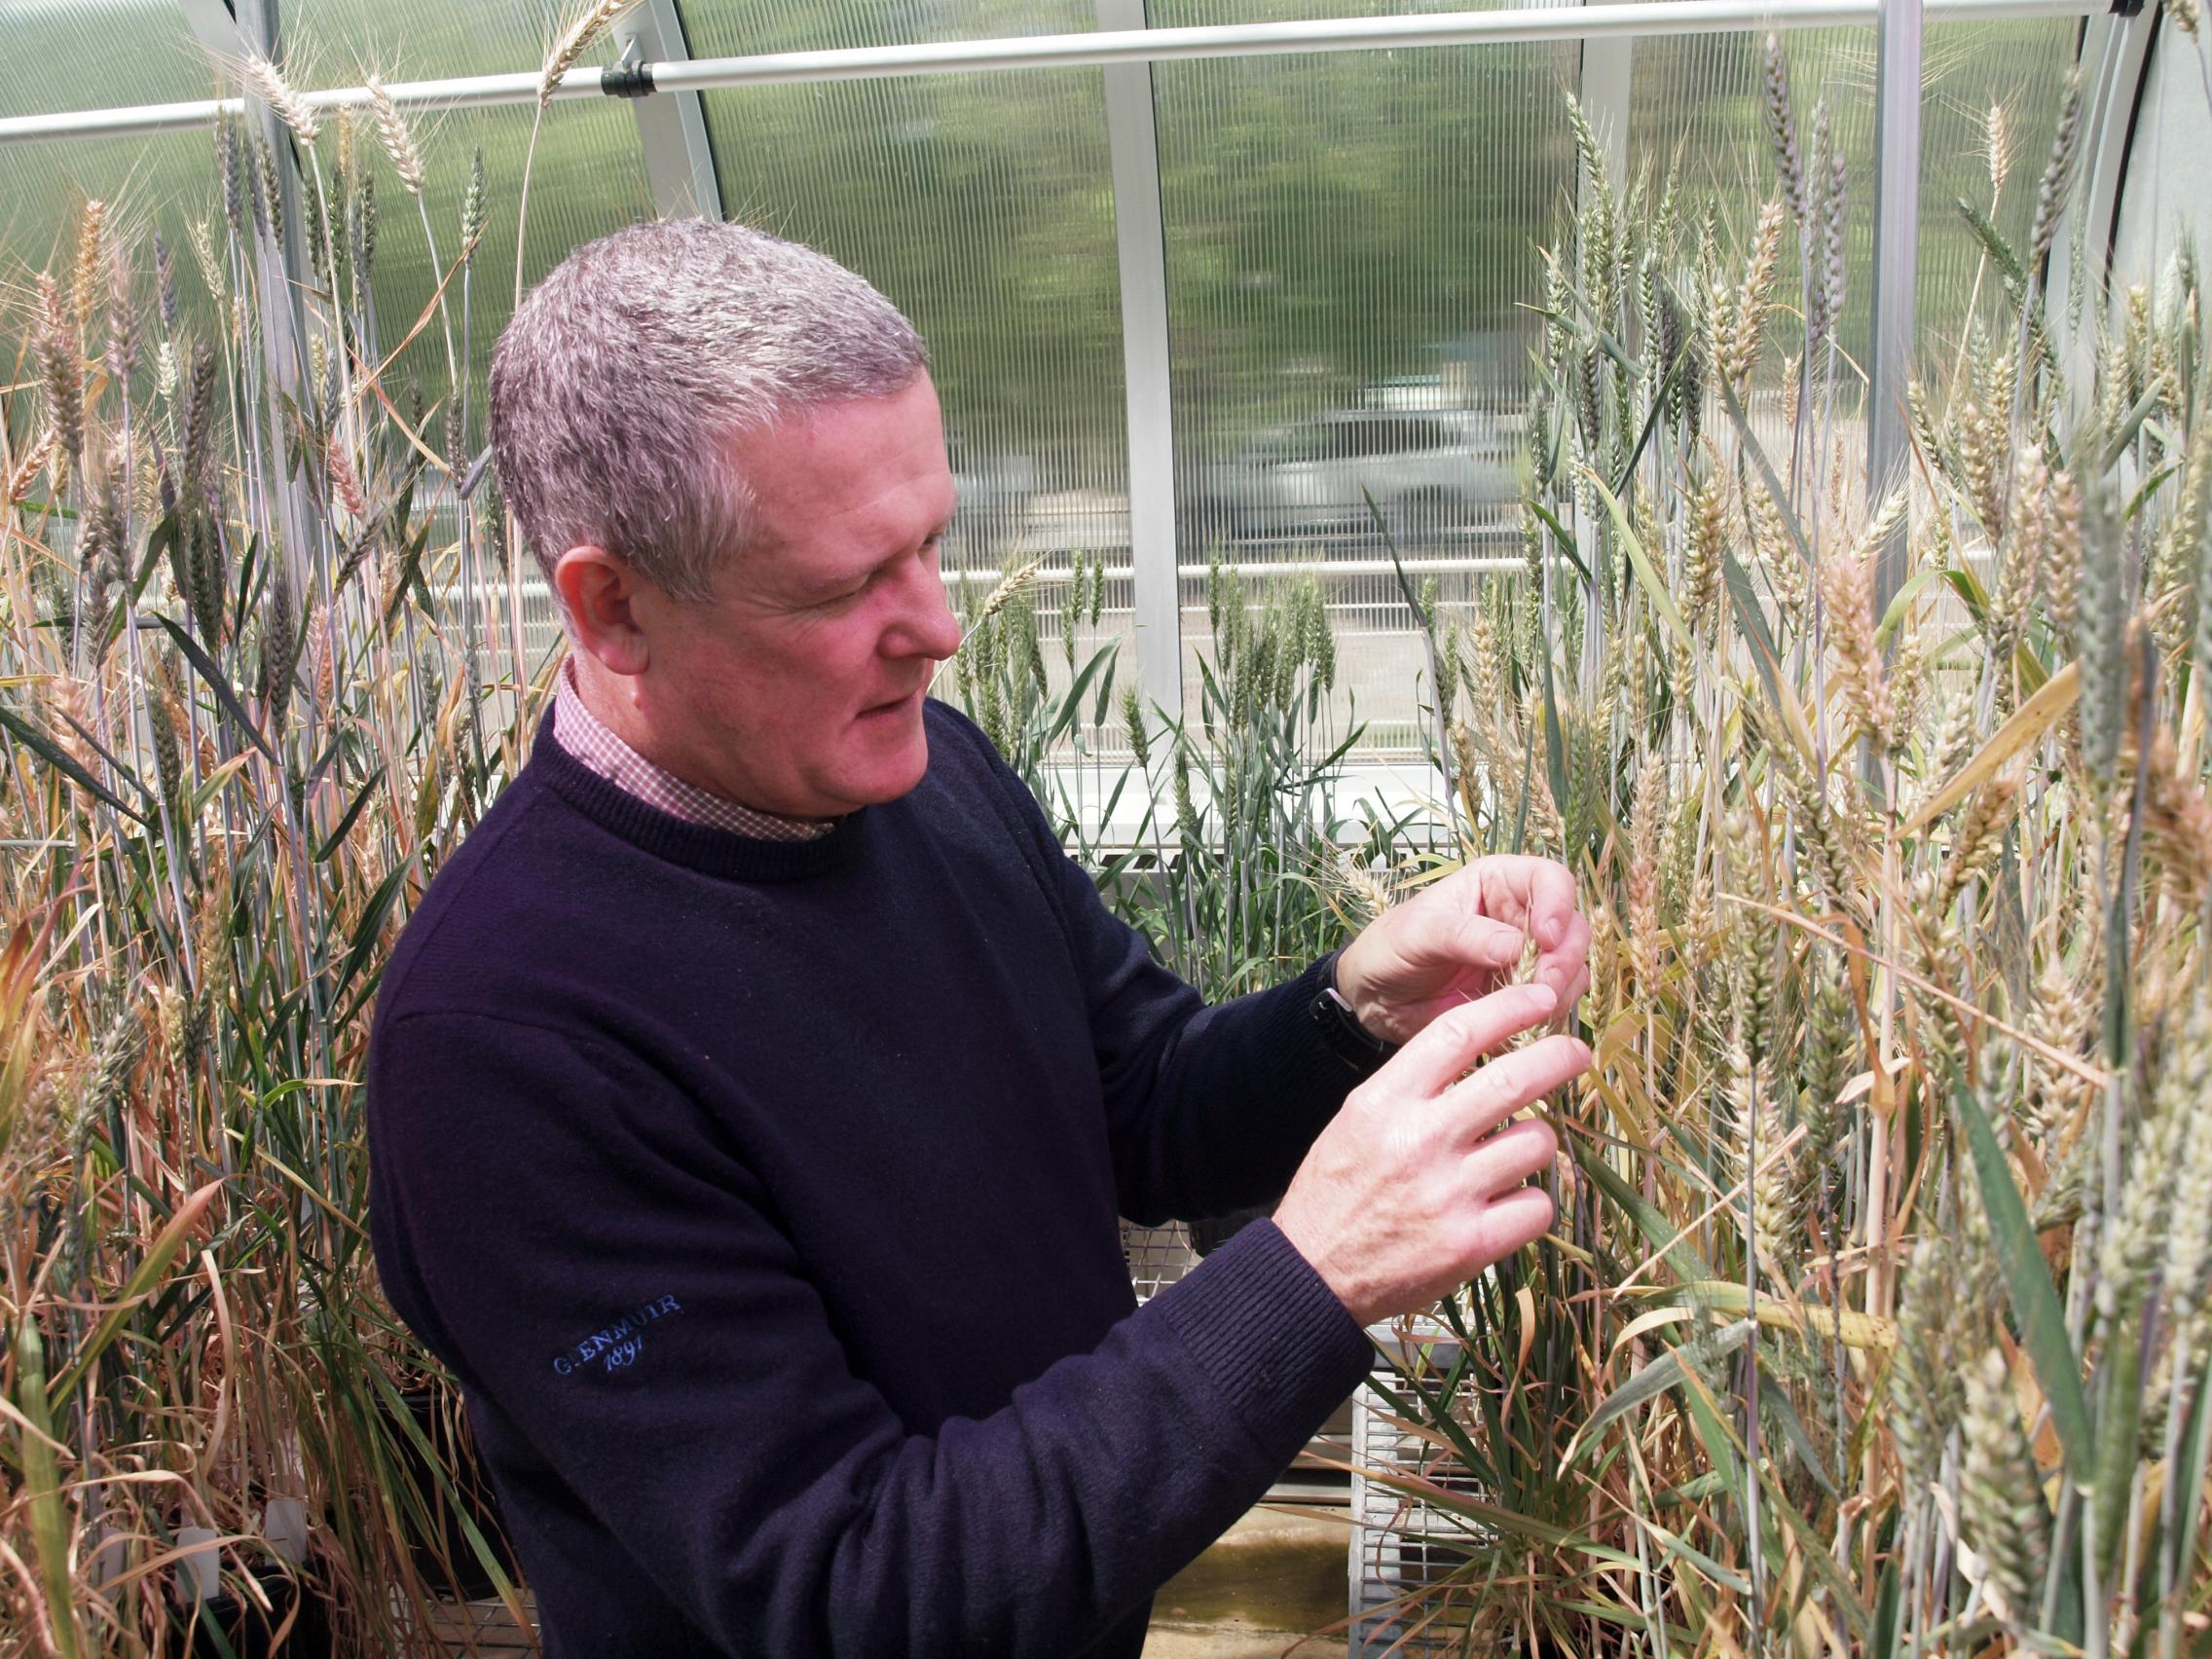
{"points": [[255, 689], [1874, 1320]]}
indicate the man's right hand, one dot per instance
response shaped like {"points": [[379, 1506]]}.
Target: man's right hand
{"points": [[1413, 1188]]}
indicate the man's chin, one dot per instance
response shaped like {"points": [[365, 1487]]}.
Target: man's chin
{"points": [[889, 776]]}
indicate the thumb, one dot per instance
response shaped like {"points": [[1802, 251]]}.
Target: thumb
{"points": [[1453, 936]]}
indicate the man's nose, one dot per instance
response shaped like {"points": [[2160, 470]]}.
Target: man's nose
{"points": [[931, 628]]}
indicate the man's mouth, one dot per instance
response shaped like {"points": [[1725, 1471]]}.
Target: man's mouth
{"points": [[894, 705]]}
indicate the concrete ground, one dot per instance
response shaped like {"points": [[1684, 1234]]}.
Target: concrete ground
{"points": [[1259, 1592]]}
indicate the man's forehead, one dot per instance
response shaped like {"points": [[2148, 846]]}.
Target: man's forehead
{"points": [[856, 448]]}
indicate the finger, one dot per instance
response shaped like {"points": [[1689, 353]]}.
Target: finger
{"points": [[1575, 987], [1451, 930], [1461, 1036], [1535, 894], [1506, 1223], [1511, 1082], [1566, 961], [1510, 1156]]}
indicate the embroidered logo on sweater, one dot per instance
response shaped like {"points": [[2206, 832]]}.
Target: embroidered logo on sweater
{"points": [[620, 1344]]}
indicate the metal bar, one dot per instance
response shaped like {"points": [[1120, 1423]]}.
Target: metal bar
{"points": [[1140, 244], [212, 26], [672, 130], [282, 262], [1192, 572], [2115, 54], [1608, 63], [1133, 45], [1897, 262]]}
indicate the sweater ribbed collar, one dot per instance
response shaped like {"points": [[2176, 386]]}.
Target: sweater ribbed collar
{"points": [[719, 853]]}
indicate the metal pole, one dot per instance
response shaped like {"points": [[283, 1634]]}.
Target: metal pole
{"points": [[671, 132], [1608, 62], [1895, 277], [282, 262], [1129, 46], [1140, 240], [2115, 51]]}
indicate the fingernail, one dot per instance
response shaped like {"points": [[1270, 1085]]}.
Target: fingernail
{"points": [[1503, 948], [1548, 931], [1543, 996]]}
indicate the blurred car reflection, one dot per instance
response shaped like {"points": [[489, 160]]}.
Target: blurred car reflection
{"points": [[1429, 472], [995, 488]]}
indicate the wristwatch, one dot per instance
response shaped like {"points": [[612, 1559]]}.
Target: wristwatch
{"points": [[1339, 1029]]}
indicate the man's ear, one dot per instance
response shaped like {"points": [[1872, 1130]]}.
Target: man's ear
{"points": [[599, 591]]}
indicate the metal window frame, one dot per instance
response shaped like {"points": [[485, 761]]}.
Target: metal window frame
{"points": [[680, 164], [1140, 243], [2115, 56], [1896, 284], [672, 130], [257, 27], [1558, 23]]}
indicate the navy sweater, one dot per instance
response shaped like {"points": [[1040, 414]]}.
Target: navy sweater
{"points": [[763, 1196]]}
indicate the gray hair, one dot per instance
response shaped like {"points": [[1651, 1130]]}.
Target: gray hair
{"points": [[625, 376]]}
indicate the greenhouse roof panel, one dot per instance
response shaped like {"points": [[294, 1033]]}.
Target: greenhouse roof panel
{"points": [[330, 42], [732, 28], [62, 54]]}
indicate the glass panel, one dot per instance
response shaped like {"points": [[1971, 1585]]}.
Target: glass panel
{"points": [[737, 29], [2165, 190], [982, 205], [1352, 242], [61, 57], [1970, 69], [1705, 95], [588, 177], [329, 42]]}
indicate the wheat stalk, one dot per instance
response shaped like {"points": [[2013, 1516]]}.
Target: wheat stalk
{"points": [[268, 84], [577, 39], [392, 132], [1007, 589], [1783, 131], [2057, 173], [574, 41], [1737, 348], [62, 368], [27, 469]]}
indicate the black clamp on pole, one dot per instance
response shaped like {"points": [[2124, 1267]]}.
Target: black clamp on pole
{"points": [[627, 80]]}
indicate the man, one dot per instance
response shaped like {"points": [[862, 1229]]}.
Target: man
{"points": [[753, 1096]]}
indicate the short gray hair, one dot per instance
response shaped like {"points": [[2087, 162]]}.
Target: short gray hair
{"points": [[624, 377]]}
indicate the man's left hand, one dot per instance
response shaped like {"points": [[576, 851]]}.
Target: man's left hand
{"points": [[1461, 939]]}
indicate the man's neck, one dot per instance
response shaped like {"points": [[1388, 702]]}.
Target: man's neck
{"points": [[609, 701]]}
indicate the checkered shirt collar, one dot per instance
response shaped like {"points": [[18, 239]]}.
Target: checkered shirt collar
{"points": [[589, 742]]}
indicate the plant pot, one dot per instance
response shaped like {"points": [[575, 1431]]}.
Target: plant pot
{"points": [[231, 1624], [447, 1537]]}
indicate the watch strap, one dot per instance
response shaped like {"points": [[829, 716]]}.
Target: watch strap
{"points": [[1341, 1030]]}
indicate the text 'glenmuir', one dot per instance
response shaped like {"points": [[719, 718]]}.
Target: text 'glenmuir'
{"points": [[620, 1344]]}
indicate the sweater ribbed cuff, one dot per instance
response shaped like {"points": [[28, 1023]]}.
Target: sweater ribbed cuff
{"points": [[1272, 1335]]}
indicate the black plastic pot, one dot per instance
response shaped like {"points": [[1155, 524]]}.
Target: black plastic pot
{"points": [[467, 1580], [233, 1626]]}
